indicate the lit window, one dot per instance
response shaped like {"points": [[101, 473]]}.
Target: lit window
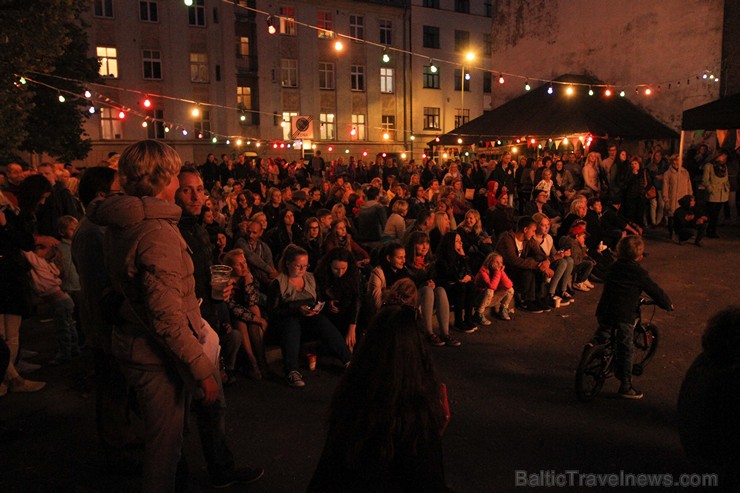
{"points": [[388, 122], [358, 123], [325, 24], [461, 117], [327, 124], [431, 118], [243, 47], [287, 21], [108, 61], [202, 127], [287, 129], [386, 80], [198, 67], [110, 124]]}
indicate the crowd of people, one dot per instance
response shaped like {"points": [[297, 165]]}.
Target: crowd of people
{"points": [[123, 253]]}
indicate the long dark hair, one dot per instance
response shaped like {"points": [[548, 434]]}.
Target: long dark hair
{"points": [[349, 283], [389, 398], [30, 192], [446, 251]]}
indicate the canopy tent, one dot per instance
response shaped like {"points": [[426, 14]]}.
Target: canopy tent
{"points": [[723, 113], [540, 115]]}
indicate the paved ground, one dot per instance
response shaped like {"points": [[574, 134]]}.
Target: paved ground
{"points": [[511, 391]]}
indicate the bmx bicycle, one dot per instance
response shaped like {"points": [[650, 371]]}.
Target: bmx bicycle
{"points": [[597, 360]]}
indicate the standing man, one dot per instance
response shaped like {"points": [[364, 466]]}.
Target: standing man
{"points": [[60, 203], [317, 169]]}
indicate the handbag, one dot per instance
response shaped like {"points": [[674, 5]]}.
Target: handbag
{"points": [[650, 192]]}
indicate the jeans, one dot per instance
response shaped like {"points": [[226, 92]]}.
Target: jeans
{"points": [[560, 281], [429, 299], [291, 329], [656, 209], [162, 400], [582, 270], [496, 299], [64, 323], [625, 348]]}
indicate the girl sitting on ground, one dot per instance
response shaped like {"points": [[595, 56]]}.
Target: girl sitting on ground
{"points": [[496, 290]]}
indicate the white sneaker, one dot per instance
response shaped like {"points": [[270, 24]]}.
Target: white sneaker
{"points": [[589, 284], [579, 286]]}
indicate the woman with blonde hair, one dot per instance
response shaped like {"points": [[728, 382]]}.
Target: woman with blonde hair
{"points": [[591, 167], [395, 227], [441, 227]]}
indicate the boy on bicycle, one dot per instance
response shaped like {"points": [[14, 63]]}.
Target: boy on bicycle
{"points": [[625, 281]]}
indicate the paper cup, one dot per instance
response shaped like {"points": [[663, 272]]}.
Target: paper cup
{"points": [[311, 362]]}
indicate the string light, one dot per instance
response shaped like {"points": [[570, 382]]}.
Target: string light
{"points": [[91, 110], [648, 92], [353, 132], [527, 87], [121, 115], [195, 112], [88, 94], [338, 45], [243, 118], [467, 75], [412, 138], [608, 92], [459, 141], [346, 151], [228, 142], [432, 66], [61, 98], [189, 3], [167, 129], [501, 79], [144, 124], [271, 29], [621, 93], [23, 80], [147, 103], [184, 132], [214, 140], [403, 155], [549, 89], [569, 90], [386, 136], [590, 91], [386, 57]]}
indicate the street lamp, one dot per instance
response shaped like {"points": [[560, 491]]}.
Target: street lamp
{"points": [[469, 56]]}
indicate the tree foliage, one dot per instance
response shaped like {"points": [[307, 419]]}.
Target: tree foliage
{"points": [[39, 37]]}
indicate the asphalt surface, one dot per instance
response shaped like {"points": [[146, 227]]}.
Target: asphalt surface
{"points": [[510, 388]]}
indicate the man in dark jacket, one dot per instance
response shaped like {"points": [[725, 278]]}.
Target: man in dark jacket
{"points": [[624, 284], [190, 197], [526, 272], [60, 203], [372, 218]]}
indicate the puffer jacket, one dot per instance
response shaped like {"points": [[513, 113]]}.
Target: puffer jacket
{"points": [[148, 260]]}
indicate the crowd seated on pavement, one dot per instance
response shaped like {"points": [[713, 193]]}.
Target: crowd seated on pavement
{"points": [[315, 248]]}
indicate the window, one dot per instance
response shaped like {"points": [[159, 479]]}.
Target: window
{"points": [[461, 117], [357, 26], [152, 64], [431, 37], [386, 29], [198, 67], [244, 97], [327, 126], [462, 6], [358, 123], [487, 44], [358, 77], [326, 75], [104, 8], [431, 4], [287, 131], [155, 129], [487, 82], [108, 61], [148, 11], [431, 118], [202, 127], [110, 124], [388, 122], [488, 6], [386, 80], [431, 79], [287, 21], [462, 40], [243, 47], [289, 70], [197, 13], [325, 24], [458, 79]]}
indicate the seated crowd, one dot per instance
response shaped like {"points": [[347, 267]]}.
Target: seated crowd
{"points": [[314, 248]]}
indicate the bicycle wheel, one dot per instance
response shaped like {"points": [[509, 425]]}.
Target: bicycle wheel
{"points": [[645, 343], [593, 369]]}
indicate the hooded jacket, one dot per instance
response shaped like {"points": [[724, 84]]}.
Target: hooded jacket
{"points": [[148, 261]]}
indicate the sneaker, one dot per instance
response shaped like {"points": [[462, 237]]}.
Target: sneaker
{"points": [[480, 319], [629, 392], [566, 298], [531, 307], [244, 475], [25, 386], [465, 328], [295, 379], [503, 314], [579, 286], [451, 341], [435, 340], [589, 284]]}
